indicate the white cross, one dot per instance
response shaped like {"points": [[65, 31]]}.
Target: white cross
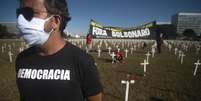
{"points": [[10, 56], [9, 47], [175, 51], [132, 50], [127, 82], [99, 52], [145, 66], [21, 49], [118, 49], [153, 50], [98, 46], [135, 47], [113, 57], [182, 57], [117, 46], [180, 52], [126, 51], [2, 49], [109, 50], [148, 54], [196, 67], [87, 50], [101, 44], [170, 47]]}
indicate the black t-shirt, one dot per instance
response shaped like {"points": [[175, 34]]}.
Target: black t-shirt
{"points": [[68, 75]]}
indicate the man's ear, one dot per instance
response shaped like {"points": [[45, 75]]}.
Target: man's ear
{"points": [[56, 21]]}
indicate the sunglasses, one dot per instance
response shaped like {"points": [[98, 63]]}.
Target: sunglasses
{"points": [[27, 12]]}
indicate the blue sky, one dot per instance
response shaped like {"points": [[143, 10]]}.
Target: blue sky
{"points": [[120, 13]]}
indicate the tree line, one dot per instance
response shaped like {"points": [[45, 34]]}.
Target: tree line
{"points": [[5, 34]]}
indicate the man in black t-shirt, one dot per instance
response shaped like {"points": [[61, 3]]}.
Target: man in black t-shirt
{"points": [[52, 69]]}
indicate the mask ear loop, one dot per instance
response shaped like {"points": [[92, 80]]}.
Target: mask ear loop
{"points": [[52, 30], [46, 21], [50, 18]]}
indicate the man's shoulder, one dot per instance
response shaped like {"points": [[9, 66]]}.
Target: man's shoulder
{"points": [[74, 49], [79, 53], [26, 53]]}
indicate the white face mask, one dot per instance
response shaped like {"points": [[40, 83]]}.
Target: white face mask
{"points": [[33, 31]]}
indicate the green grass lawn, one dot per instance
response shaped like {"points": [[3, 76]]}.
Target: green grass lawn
{"points": [[166, 79]]}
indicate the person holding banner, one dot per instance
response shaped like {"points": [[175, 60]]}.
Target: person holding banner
{"points": [[89, 42]]}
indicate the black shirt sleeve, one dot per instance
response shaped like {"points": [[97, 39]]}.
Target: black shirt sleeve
{"points": [[90, 80]]}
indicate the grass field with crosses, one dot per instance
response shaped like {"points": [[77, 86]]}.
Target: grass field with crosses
{"points": [[166, 78]]}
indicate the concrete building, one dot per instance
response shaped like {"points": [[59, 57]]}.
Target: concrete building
{"points": [[183, 21], [167, 29]]}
